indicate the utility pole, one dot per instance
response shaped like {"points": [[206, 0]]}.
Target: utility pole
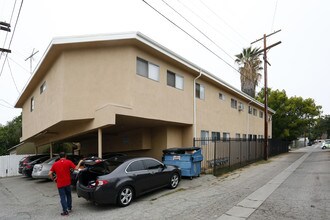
{"points": [[266, 88], [31, 58], [5, 27]]}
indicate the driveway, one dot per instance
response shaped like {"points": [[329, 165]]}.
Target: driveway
{"points": [[206, 197]]}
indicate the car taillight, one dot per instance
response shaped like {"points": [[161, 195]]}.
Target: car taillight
{"points": [[101, 182], [28, 166]]}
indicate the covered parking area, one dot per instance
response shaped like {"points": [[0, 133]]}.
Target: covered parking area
{"points": [[130, 135]]}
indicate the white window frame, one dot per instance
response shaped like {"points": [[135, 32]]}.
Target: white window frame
{"points": [[32, 104], [204, 136], [43, 87], [178, 80], [221, 96], [233, 103], [152, 70], [201, 92]]}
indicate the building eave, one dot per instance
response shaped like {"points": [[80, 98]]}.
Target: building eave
{"points": [[54, 49]]}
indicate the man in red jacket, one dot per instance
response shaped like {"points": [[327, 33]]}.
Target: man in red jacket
{"points": [[62, 168]]}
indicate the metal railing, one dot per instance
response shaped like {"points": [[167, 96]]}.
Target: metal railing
{"points": [[228, 154]]}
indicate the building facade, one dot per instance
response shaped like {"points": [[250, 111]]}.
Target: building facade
{"points": [[127, 93]]}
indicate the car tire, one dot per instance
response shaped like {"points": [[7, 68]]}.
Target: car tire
{"points": [[174, 181], [125, 196]]}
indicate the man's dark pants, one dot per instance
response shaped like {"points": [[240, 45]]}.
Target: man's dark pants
{"points": [[66, 199]]}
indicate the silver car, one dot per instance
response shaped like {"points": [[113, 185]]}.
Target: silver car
{"points": [[40, 171]]}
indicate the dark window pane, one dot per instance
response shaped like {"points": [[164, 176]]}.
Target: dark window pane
{"points": [[135, 166], [142, 67], [170, 79], [152, 164], [198, 92]]}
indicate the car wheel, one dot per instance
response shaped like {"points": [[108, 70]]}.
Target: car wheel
{"points": [[125, 196], [174, 181]]}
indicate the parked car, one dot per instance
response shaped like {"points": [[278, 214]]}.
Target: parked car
{"points": [[28, 159], [28, 168], [40, 171], [326, 144], [119, 180], [74, 174]]}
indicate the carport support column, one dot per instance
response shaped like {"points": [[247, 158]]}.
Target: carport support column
{"points": [[51, 150], [99, 132]]}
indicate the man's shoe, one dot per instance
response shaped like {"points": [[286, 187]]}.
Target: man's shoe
{"points": [[69, 210], [65, 213]]}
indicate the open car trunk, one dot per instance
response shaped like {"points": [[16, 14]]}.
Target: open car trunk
{"points": [[93, 169]]}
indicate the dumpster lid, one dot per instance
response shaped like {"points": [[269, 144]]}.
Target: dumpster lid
{"points": [[180, 150]]}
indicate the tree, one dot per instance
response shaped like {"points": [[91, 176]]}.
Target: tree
{"points": [[294, 117], [10, 134], [249, 67], [322, 127]]}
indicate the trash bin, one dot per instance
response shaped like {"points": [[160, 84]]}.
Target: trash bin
{"points": [[188, 159]]}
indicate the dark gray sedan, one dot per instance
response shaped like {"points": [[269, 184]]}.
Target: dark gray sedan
{"points": [[120, 179]]}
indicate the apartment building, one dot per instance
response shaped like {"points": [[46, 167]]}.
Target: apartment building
{"points": [[126, 93]]}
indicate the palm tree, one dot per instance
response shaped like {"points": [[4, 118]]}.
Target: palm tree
{"points": [[249, 67]]}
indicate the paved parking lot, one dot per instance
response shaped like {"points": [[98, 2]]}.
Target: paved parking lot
{"points": [[26, 198], [206, 197]]}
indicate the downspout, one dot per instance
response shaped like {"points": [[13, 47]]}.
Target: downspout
{"points": [[195, 108], [248, 121]]}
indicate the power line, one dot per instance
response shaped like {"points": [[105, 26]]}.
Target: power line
{"points": [[196, 40], [11, 17], [19, 65], [191, 36], [213, 12], [6, 106], [217, 30], [274, 16], [12, 36], [7, 103], [11, 73]]}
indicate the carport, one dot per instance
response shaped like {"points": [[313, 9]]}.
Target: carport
{"points": [[132, 135]]}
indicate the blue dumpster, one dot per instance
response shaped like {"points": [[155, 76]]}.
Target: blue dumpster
{"points": [[188, 159]]}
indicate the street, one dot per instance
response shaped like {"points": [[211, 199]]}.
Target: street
{"points": [[289, 186]]}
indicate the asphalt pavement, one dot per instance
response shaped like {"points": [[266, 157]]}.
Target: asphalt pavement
{"points": [[294, 185]]}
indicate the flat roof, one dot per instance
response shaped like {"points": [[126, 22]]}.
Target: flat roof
{"points": [[59, 44]]}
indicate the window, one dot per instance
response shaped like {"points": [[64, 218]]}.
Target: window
{"points": [[146, 69], [152, 164], [254, 137], [240, 106], [204, 136], [255, 112], [43, 87], [174, 80], [238, 136], [32, 104], [244, 137], [200, 91], [261, 114], [221, 96], [226, 136], [215, 136], [135, 166], [233, 103], [250, 110]]}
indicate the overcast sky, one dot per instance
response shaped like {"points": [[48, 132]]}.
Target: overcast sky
{"points": [[299, 65]]}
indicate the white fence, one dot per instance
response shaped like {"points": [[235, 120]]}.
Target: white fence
{"points": [[9, 165]]}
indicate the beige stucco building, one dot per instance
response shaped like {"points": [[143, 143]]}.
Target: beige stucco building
{"points": [[127, 93]]}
